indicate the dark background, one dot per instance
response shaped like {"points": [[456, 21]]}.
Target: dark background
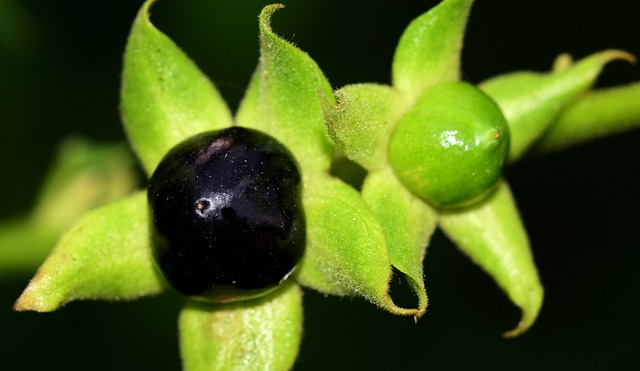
{"points": [[59, 75]]}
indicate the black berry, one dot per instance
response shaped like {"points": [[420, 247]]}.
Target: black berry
{"points": [[227, 216]]}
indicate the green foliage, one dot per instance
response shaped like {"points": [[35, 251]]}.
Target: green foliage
{"points": [[286, 86], [492, 235], [105, 255], [362, 122], [262, 334], [164, 98], [532, 101], [351, 259], [355, 238], [433, 110], [83, 176], [429, 50], [407, 224], [594, 115], [283, 100]]}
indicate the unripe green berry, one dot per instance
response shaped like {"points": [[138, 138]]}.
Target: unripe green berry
{"points": [[450, 147]]}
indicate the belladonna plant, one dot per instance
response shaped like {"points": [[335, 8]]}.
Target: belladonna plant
{"points": [[433, 148]]}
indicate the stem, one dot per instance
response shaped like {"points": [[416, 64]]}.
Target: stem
{"points": [[594, 115]]}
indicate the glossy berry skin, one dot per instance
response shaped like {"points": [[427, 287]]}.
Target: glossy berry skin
{"points": [[227, 216], [449, 149]]}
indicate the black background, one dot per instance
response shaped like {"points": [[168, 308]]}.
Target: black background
{"points": [[60, 75]]}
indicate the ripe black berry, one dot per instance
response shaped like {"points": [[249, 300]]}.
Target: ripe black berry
{"points": [[227, 217]]}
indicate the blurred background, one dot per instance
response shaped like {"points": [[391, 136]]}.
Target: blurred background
{"points": [[60, 74]]}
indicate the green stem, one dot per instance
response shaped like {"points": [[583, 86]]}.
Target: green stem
{"points": [[594, 115]]}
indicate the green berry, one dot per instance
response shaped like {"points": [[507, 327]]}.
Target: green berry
{"points": [[450, 147]]}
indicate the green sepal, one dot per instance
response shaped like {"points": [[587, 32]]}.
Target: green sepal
{"points": [[260, 334], [532, 101], [104, 255], [84, 175], [346, 250], [429, 49], [165, 98], [362, 122], [249, 111], [595, 114], [492, 235], [24, 245], [283, 98], [407, 223]]}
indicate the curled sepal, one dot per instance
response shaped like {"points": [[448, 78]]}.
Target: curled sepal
{"points": [[493, 236], [361, 124], [595, 114], [429, 49], [532, 101], [260, 334], [407, 223], [104, 255], [287, 92], [165, 98], [346, 250]]}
